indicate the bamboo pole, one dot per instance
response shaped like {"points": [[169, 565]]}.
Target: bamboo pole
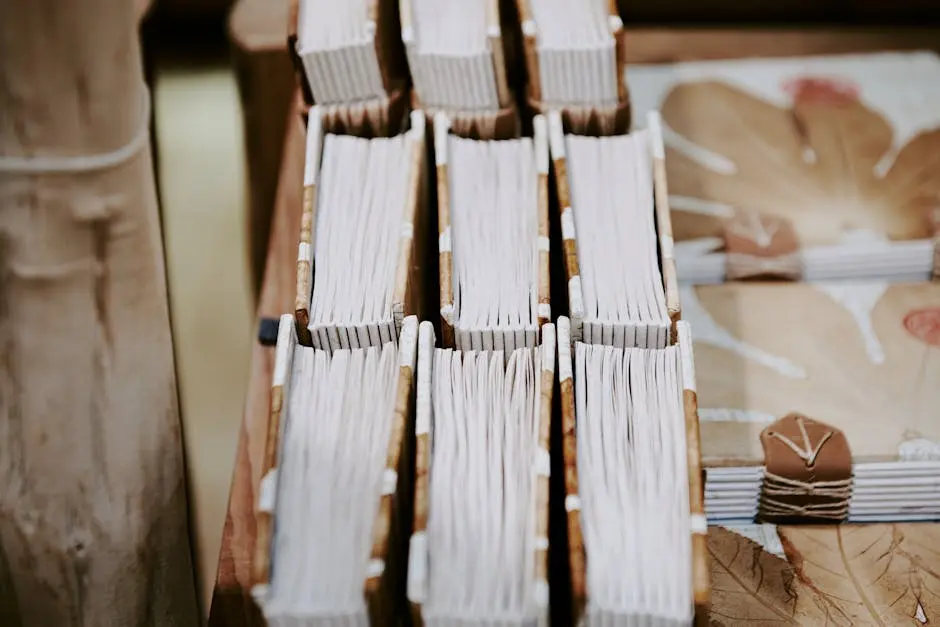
{"points": [[93, 518]]}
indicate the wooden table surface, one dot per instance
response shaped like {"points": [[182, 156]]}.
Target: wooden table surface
{"points": [[844, 575]]}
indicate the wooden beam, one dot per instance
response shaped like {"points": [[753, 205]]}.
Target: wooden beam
{"points": [[231, 604], [93, 513]]}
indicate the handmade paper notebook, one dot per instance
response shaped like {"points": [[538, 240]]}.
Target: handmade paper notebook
{"points": [[458, 63], [362, 236], [574, 59], [819, 401], [633, 483], [494, 239], [802, 168], [617, 237], [349, 51], [455, 54], [335, 501], [479, 550]]}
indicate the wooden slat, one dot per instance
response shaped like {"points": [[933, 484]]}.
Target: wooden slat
{"points": [[231, 602]]}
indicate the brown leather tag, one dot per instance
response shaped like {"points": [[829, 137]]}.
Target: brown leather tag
{"points": [[808, 472], [760, 246]]}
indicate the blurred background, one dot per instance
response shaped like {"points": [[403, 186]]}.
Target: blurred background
{"points": [[202, 182]]}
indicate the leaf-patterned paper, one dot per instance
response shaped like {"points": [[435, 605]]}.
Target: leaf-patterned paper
{"points": [[883, 575], [857, 356], [836, 145], [874, 574], [753, 587]]}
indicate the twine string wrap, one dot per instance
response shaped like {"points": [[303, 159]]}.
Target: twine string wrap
{"points": [[744, 266], [50, 164], [803, 496]]}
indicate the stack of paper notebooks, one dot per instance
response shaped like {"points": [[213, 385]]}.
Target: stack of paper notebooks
{"points": [[819, 401], [455, 54], [479, 550], [494, 238], [617, 236], [362, 236], [458, 63], [350, 52], [574, 59], [336, 491], [635, 517], [816, 168], [632, 476]]}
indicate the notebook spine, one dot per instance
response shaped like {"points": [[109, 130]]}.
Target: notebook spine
{"points": [[569, 241], [701, 586], [313, 153], [577, 565], [530, 50], [543, 473], [390, 535], [445, 248], [264, 512], [418, 550], [664, 222], [408, 284], [544, 241]]}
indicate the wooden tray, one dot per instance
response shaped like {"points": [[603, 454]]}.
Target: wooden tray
{"points": [[848, 574]]}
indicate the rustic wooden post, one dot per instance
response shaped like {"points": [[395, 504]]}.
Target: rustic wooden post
{"points": [[93, 514]]}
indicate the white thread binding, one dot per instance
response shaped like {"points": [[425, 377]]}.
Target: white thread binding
{"points": [[441, 129], [407, 342], [389, 481], [283, 350], [541, 144], [312, 149], [667, 244], [542, 462], [418, 568], [443, 241], [686, 355], [567, 224], [655, 126], [267, 491], [375, 569], [304, 252], [556, 135]]}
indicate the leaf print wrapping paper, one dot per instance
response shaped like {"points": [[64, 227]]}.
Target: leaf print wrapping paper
{"points": [[830, 575], [863, 357], [845, 149]]}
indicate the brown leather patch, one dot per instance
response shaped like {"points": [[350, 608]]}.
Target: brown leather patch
{"points": [[760, 246], [808, 472]]}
